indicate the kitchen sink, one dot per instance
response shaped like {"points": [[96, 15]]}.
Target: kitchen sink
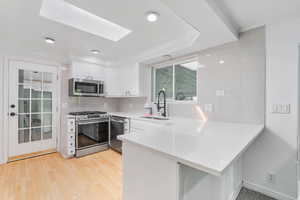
{"points": [[155, 117]]}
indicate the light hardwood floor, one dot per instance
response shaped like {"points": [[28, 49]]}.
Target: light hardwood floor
{"points": [[51, 177]]}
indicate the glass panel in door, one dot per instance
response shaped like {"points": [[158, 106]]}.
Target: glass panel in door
{"points": [[35, 92]]}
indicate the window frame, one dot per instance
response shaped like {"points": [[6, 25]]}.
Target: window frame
{"points": [[168, 64]]}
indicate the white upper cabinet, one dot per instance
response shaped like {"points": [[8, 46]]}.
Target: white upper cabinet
{"points": [[85, 70], [123, 80], [127, 80]]}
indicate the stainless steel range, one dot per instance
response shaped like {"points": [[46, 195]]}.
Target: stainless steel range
{"points": [[91, 132]]}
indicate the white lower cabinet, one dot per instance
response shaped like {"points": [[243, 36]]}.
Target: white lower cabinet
{"points": [[195, 184], [148, 176], [152, 175], [70, 136]]}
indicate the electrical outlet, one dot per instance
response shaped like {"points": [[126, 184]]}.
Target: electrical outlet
{"points": [[130, 105], [220, 93], [271, 178], [281, 109], [208, 107]]}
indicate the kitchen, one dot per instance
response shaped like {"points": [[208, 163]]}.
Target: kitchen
{"points": [[188, 108]]}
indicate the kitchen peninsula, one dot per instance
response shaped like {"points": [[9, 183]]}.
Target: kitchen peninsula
{"points": [[184, 159]]}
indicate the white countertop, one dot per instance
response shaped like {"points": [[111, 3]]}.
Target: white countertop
{"points": [[207, 146]]}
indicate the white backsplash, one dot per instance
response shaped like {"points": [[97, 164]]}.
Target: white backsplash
{"points": [[231, 92], [76, 104]]}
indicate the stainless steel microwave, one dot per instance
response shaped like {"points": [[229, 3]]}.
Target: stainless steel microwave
{"points": [[88, 88]]}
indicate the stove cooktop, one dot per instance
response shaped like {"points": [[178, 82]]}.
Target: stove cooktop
{"points": [[88, 113]]}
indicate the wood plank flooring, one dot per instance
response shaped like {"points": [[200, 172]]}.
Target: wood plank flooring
{"points": [[31, 155], [51, 177]]}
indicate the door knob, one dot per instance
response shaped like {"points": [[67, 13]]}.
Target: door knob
{"points": [[12, 114], [13, 106]]}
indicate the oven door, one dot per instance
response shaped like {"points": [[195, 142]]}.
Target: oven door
{"points": [[91, 133]]}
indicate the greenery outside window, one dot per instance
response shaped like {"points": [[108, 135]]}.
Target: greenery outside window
{"points": [[178, 80]]}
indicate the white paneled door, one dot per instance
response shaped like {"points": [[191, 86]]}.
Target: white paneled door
{"points": [[32, 107]]}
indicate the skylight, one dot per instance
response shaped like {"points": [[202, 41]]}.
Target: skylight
{"points": [[68, 14]]}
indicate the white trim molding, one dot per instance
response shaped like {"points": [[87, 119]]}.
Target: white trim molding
{"points": [[2, 153], [236, 192], [267, 191], [4, 72]]}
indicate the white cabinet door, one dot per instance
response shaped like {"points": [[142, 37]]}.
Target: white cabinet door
{"points": [[123, 79], [148, 175], [129, 78], [88, 71], [112, 82]]}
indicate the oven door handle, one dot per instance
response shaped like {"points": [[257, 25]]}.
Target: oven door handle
{"points": [[93, 122], [118, 121]]}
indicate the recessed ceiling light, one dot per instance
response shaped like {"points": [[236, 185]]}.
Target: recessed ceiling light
{"points": [[167, 56], [221, 62], [207, 55], [49, 40], [95, 51], [152, 16]]}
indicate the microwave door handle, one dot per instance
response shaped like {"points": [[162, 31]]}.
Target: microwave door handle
{"points": [[100, 88]]}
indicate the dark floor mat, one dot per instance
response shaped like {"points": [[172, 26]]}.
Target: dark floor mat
{"points": [[247, 194]]}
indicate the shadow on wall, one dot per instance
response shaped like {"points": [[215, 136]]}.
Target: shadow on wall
{"points": [[275, 156]]}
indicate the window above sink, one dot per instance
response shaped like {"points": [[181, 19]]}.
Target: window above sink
{"points": [[179, 80]]}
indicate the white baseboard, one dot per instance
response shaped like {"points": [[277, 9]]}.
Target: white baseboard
{"points": [[236, 193], [267, 191]]}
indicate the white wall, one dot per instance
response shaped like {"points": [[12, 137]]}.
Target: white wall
{"points": [[276, 150], [1, 109], [242, 77]]}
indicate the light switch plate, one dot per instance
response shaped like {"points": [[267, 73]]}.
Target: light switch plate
{"points": [[281, 108]]}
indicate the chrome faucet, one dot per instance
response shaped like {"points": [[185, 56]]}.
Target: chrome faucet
{"points": [[159, 107]]}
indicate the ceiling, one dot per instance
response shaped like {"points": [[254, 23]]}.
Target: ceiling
{"points": [[25, 29], [182, 27], [254, 13]]}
